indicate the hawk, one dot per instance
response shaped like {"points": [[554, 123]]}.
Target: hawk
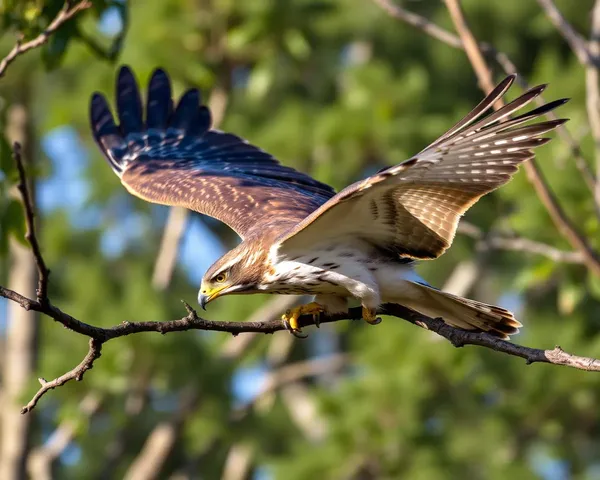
{"points": [[299, 235]]}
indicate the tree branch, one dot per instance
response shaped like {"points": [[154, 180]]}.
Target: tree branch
{"points": [[588, 55], [163, 438], [592, 82], [420, 23], [99, 336], [30, 235], [571, 36], [67, 12], [493, 241], [75, 374]]}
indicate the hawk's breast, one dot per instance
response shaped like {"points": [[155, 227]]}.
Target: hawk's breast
{"points": [[327, 270]]}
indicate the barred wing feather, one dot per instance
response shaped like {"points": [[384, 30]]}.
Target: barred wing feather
{"points": [[413, 209]]}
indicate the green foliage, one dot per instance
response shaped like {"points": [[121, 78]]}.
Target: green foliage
{"points": [[337, 88], [12, 215]]}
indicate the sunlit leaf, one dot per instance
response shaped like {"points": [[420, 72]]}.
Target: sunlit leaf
{"points": [[260, 80], [569, 296], [296, 44]]}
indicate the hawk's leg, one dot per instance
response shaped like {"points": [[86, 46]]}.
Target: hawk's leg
{"points": [[290, 318]]}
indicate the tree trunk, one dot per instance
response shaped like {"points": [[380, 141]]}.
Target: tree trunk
{"points": [[21, 335]]}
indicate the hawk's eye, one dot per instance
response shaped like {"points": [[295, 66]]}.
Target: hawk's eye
{"points": [[220, 278]]}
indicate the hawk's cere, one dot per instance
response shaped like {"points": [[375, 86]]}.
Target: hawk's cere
{"points": [[299, 236]]}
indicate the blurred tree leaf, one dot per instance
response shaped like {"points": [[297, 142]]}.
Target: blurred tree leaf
{"points": [[594, 286], [297, 44], [569, 296], [7, 164], [14, 221], [54, 51]]}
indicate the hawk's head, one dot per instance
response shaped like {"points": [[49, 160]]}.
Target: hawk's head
{"points": [[238, 271]]}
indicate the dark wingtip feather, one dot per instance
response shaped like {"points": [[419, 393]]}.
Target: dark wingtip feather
{"points": [[129, 103], [558, 122], [160, 73], [160, 102], [105, 131], [560, 101], [186, 115], [542, 110], [507, 81], [538, 88]]}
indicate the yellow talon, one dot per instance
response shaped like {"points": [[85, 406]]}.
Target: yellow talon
{"points": [[290, 318], [370, 316]]}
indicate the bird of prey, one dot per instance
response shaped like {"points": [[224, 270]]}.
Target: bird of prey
{"points": [[299, 235]]}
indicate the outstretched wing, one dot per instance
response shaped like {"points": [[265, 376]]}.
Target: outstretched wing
{"points": [[174, 158], [413, 209]]}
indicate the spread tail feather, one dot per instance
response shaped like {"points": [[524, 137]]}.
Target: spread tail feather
{"points": [[459, 312]]}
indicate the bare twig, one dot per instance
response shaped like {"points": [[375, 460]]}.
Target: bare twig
{"points": [[592, 81], [67, 12], [530, 246], [518, 244], [589, 56], [460, 338], [43, 272], [572, 37], [75, 374], [420, 23]]}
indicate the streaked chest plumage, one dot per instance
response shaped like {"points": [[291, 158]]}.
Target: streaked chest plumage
{"points": [[324, 271]]}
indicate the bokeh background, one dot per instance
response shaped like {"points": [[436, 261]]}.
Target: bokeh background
{"points": [[337, 88]]}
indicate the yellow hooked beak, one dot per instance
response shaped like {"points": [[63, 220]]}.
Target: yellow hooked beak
{"points": [[206, 294]]}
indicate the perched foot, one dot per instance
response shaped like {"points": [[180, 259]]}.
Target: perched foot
{"points": [[369, 315], [290, 318]]}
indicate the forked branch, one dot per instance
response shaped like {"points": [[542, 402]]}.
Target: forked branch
{"points": [[68, 11]]}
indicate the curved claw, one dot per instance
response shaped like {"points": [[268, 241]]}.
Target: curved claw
{"points": [[295, 331], [290, 318]]}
